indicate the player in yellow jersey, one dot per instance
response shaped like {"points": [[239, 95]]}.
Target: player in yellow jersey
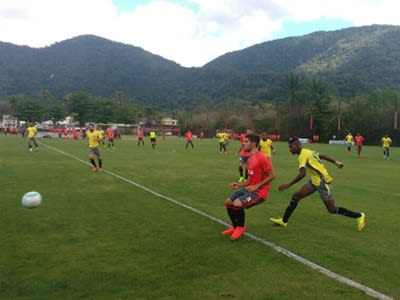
{"points": [[386, 141], [349, 141], [266, 146], [320, 181], [31, 132], [102, 136], [153, 139], [222, 142], [93, 141]]}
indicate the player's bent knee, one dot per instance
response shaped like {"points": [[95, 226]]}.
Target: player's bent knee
{"points": [[228, 203], [332, 210], [237, 204]]}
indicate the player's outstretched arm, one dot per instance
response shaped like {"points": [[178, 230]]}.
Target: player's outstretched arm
{"points": [[300, 176], [338, 164]]}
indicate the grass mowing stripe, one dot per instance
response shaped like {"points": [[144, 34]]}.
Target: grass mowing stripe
{"points": [[369, 291]]}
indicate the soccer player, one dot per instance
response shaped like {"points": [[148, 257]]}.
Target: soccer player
{"points": [[201, 135], [266, 146], [349, 141], [386, 141], [189, 139], [93, 141], [140, 136], [102, 135], [222, 142], [31, 132], [358, 141], [153, 139], [244, 156], [252, 192], [110, 137], [320, 181]]}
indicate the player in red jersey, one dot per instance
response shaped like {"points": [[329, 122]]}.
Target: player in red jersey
{"points": [[244, 156], [110, 137], [358, 141], [189, 139], [251, 192], [140, 136]]}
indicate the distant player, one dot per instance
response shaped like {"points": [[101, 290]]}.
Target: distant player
{"points": [[189, 139], [102, 135], [201, 135], [252, 192], [31, 133], [93, 141], [349, 141], [222, 142], [320, 181], [110, 137], [153, 139], [358, 142], [140, 136], [386, 141], [244, 156], [266, 146]]}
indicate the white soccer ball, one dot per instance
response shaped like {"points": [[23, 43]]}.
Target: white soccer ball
{"points": [[31, 199]]}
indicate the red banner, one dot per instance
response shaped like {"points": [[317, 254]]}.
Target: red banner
{"points": [[311, 122]]}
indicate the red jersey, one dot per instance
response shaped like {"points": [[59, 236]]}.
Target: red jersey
{"points": [[188, 136], [358, 140], [258, 167], [110, 134], [242, 137], [140, 133]]}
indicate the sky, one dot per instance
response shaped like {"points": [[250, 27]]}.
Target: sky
{"points": [[189, 32]]}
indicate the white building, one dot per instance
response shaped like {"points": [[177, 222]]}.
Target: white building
{"points": [[9, 121], [169, 122]]}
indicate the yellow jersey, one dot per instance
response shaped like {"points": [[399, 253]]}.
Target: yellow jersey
{"points": [[226, 136], [101, 133], [93, 138], [348, 138], [310, 160], [386, 142], [221, 137], [265, 147], [31, 131]]}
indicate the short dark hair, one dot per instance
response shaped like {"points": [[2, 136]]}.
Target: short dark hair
{"points": [[253, 138], [293, 140]]}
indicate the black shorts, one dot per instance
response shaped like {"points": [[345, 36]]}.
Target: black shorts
{"points": [[247, 198]]}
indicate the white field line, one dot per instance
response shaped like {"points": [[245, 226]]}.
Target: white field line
{"points": [[369, 291]]}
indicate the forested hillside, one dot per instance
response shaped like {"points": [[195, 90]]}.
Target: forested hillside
{"points": [[352, 60]]}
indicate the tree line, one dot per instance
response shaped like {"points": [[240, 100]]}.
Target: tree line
{"points": [[297, 106]]}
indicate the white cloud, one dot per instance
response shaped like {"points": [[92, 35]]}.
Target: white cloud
{"points": [[191, 33]]}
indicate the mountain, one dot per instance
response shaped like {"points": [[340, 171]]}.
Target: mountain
{"points": [[352, 60]]}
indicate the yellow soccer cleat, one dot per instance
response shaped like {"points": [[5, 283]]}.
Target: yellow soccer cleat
{"points": [[241, 179], [361, 222], [278, 221]]}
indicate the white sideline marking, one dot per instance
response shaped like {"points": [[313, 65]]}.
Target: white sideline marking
{"points": [[369, 291]]}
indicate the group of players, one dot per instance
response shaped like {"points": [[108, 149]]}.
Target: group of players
{"points": [[256, 172], [253, 188], [358, 141]]}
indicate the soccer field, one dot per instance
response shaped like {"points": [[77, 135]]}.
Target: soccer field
{"points": [[104, 236]]}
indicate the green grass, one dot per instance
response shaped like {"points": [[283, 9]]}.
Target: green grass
{"points": [[98, 237]]}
